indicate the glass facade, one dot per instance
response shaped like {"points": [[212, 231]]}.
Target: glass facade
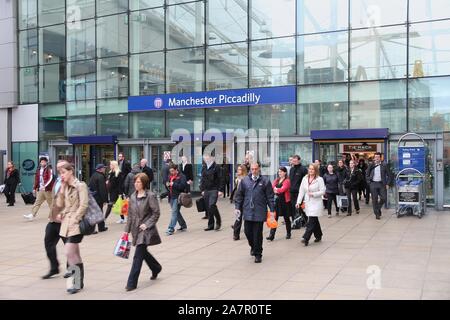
{"points": [[356, 63]]}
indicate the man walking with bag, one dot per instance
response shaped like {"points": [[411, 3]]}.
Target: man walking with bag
{"points": [[97, 184], [379, 177], [211, 186]]}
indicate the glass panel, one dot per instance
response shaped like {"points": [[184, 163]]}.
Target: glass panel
{"points": [[147, 124], [429, 53], [52, 121], [272, 19], [272, 62], [147, 74], [112, 77], [421, 10], [369, 13], [322, 107], [185, 70], [184, 119], [27, 14], [52, 83], [322, 58], [429, 105], [227, 66], [378, 105], [227, 118], [52, 44], [144, 4], [106, 7], [321, 16], [185, 25], [80, 9], [112, 35], [81, 41], [447, 169], [81, 126], [81, 80], [25, 157], [281, 117], [227, 21], [378, 53], [111, 106], [28, 85], [147, 30], [113, 124], [81, 108], [51, 12], [28, 48], [304, 150]]}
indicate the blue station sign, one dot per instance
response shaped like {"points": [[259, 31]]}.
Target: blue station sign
{"points": [[412, 157], [214, 99]]}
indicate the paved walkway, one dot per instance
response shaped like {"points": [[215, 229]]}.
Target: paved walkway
{"points": [[412, 257]]}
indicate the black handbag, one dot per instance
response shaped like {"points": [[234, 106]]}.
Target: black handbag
{"points": [[86, 228], [201, 205]]}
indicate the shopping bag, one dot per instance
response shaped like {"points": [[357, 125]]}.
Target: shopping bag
{"points": [[117, 207], [342, 201], [2, 188], [123, 247], [271, 223], [125, 206]]}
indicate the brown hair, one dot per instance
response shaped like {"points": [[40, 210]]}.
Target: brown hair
{"points": [[12, 163], [67, 166], [316, 169], [244, 169], [143, 178]]}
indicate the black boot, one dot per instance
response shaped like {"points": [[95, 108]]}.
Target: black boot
{"points": [[50, 274], [271, 235], [78, 286], [68, 274]]}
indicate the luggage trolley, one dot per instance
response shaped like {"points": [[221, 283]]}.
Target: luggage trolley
{"points": [[411, 193]]}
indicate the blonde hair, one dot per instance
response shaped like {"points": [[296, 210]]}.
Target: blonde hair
{"points": [[316, 169], [116, 168]]}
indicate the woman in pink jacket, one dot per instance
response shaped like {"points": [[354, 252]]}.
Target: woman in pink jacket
{"points": [[281, 188]]}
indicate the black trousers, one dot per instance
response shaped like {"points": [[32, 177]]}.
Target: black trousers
{"points": [[10, 194], [51, 240], [294, 197], [140, 255], [330, 198], [313, 226], [352, 195], [367, 196], [254, 233], [211, 199], [378, 190], [101, 225]]}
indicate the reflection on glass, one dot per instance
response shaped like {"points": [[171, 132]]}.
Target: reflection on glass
{"points": [[278, 117], [112, 77], [52, 44], [321, 16], [422, 10], [227, 21], [27, 14], [185, 70], [272, 62], [52, 83], [52, 122], [111, 106], [81, 41], [370, 13], [147, 124], [81, 126], [378, 104], [81, 80], [28, 48], [185, 26], [144, 4], [80, 108], [429, 52], [227, 118], [227, 66], [106, 7], [147, 74], [378, 53], [147, 30], [80, 9], [272, 18], [28, 85], [429, 105], [113, 125], [51, 12], [322, 107], [112, 35], [322, 58], [184, 119]]}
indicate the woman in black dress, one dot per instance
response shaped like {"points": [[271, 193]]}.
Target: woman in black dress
{"points": [[12, 179]]}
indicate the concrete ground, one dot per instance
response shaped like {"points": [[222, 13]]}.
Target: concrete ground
{"points": [[359, 258]]}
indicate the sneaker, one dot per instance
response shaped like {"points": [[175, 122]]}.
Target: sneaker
{"points": [[169, 232], [28, 216], [182, 229], [329, 216], [120, 221]]}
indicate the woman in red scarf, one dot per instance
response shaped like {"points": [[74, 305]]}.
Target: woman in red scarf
{"points": [[12, 179]]}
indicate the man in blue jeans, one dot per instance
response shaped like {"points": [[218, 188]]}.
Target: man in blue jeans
{"points": [[177, 184]]}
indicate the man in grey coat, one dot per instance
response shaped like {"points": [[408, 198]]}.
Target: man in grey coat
{"points": [[253, 196], [379, 178]]}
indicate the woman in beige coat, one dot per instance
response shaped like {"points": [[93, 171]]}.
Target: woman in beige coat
{"points": [[143, 214], [72, 198]]}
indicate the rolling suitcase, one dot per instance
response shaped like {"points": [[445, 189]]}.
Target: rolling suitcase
{"points": [[27, 197]]}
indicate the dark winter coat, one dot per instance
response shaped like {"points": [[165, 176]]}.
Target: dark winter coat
{"points": [[296, 175]]}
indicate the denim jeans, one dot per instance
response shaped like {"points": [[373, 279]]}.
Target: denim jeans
{"points": [[176, 215]]}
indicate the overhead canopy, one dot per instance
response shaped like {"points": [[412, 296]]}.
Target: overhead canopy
{"points": [[350, 134], [93, 140]]}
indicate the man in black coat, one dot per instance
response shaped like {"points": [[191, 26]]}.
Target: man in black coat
{"points": [[124, 165], [187, 170], [296, 175], [379, 177], [148, 171], [212, 187], [97, 184]]}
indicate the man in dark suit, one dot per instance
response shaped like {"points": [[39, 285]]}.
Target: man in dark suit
{"points": [[124, 165], [148, 171], [379, 177], [212, 187], [97, 184], [186, 169]]}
